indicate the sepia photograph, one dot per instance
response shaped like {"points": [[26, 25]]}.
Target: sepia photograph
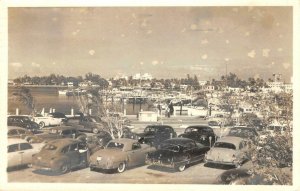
{"points": [[143, 96]]}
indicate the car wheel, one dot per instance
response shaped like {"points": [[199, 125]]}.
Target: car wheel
{"points": [[64, 168], [122, 167], [42, 124], [95, 130], [181, 168]]}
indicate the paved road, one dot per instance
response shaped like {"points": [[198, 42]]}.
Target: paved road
{"points": [[196, 174]]}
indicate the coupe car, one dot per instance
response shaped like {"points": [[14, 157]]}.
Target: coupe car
{"points": [[177, 153], [62, 155], [228, 151], [120, 154]]}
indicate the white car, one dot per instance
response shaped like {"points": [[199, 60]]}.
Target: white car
{"points": [[45, 121], [19, 152]]}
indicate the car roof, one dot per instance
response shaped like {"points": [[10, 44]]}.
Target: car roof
{"points": [[63, 127], [199, 126], [15, 141], [231, 139], [126, 142], [180, 139], [158, 125]]}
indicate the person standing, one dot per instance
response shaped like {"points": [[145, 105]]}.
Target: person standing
{"points": [[171, 109]]}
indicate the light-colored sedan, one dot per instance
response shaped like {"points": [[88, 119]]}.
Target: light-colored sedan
{"points": [[120, 154], [19, 152], [228, 151], [45, 121]]}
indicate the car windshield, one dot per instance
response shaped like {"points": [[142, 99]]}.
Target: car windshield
{"points": [[114, 145], [191, 129], [213, 123], [225, 145], [25, 119], [150, 129], [49, 147], [244, 133]]}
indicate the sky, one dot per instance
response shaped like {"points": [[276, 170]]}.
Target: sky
{"points": [[167, 42]]}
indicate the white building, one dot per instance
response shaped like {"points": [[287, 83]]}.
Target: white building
{"points": [[145, 76]]}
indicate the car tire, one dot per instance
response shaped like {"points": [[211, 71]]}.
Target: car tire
{"points": [[42, 124], [181, 167], [64, 168], [95, 130], [122, 167]]}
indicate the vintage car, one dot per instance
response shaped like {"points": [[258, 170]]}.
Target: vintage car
{"points": [[120, 154], [62, 155], [57, 133], [59, 115], [47, 120], [228, 151], [155, 134], [91, 124], [177, 153], [244, 132], [22, 121], [200, 133], [18, 132], [19, 152]]}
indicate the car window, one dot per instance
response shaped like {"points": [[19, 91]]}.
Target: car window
{"points": [[25, 146], [136, 146], [114, 145], [13, 148], [12, 132], [10, 119], [225, 145], [66, 132]]}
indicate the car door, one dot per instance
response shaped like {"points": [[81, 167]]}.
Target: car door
{"points": [[190, 150], [26, 151], [73, 155], [14, 158], [136, 156]]}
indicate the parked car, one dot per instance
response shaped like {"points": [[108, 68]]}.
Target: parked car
{"points": [[91, 124], [58, 133], [228, 151], [47, 120], [200, 133], [155, 134], [18, 132], [177, 153], [120, 154], [244, 132], [19, 152], [22, 121], [62, 155]]}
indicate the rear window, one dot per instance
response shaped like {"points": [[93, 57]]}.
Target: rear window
{"points": [[25, 146], [150, 129], [225, 145], [114, 145], [13, 148]]}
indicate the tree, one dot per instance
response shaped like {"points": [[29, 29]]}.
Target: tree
{"points": [[23, 95]]}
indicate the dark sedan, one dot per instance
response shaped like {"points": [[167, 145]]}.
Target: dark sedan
{"points": [[177, 153], [200, 133], [154, 134], [22, 121]]}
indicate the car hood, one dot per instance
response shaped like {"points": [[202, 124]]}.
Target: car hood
{"points": [[220, 153]]}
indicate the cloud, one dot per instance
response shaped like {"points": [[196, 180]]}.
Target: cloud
{"points": [[204, 41], [227, 41], [235, 9], [277, 24], [252, 54], [204, 56], [33, 64], [16, 64], [91, 52], [279, 49], [193, 27], [265, 52], [133, 15], [74, 33]]}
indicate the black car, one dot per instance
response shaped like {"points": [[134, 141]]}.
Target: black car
{"points": [[91, 124], [22, 121], [59, 115], [200, 133], [177, 153], [244, 132], [59, 132], [155, 134]]}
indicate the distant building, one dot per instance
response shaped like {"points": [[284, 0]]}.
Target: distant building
{"points": [[145, 76], [70, 84]]}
